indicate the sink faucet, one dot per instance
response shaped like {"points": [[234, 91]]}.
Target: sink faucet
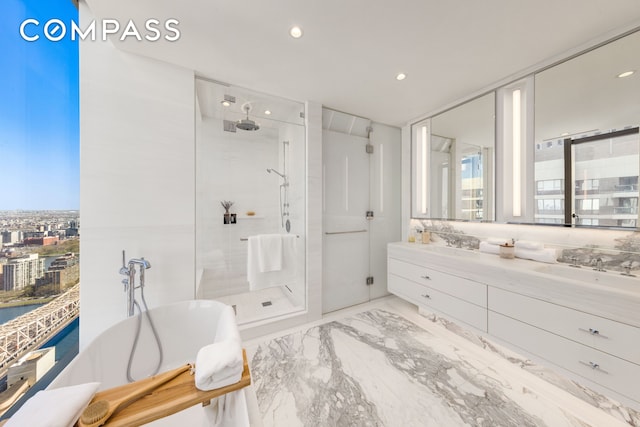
{"points": [[598, 264]]}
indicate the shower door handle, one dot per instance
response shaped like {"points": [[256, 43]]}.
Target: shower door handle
{"points": [[345, 232]]}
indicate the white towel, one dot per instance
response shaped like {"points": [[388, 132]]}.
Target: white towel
{"points": [[548, 255], [526, 244], [489, 248], [285, 276], [229, 410], [59, 407], [219, 364], [269, 251]]}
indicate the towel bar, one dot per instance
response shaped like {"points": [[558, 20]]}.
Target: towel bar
{"points": [[344, 232], [244, 239]]}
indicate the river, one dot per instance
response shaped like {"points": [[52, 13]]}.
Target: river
{"points": [[10, 313]]}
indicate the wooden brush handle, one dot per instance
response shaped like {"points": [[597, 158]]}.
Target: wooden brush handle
{"points": [[150, 384]]}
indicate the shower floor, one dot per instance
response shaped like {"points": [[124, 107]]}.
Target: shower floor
{"points": [[259, 305]]}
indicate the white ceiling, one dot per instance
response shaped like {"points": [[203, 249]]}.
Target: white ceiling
{"points": [[352, 49]]}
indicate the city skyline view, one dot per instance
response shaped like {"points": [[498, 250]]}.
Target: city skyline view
{"points": [[39, 111]]}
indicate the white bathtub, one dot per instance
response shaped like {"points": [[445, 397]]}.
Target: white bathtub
{"points": [[183, 327]]}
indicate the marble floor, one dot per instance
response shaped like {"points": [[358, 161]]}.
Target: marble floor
{"points": [[383, 364]]}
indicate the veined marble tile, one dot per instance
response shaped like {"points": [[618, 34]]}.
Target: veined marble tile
{"points": [[377, 368], [607, 404]]}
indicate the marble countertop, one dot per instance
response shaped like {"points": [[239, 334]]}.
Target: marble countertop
{"points": [[606, 294]]}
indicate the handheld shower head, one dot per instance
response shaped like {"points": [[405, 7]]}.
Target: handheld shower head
{"points": [[141, 262], [269, 170]]}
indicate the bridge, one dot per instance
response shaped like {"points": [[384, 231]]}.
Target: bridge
{"points": [[29, 331]]}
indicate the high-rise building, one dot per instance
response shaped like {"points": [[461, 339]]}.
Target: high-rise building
{"points": [[21, 272], [11, 237]]}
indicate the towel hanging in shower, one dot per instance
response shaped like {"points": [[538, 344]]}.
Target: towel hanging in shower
{"points": [[259, 275]]}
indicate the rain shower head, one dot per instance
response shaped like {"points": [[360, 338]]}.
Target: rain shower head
{"points": [[247, 124]]}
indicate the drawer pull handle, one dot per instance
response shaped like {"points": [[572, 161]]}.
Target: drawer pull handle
{"points": [[593, 331], [426, 277], [595, 366], [427, 296]]}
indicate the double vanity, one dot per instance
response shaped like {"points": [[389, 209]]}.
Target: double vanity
{"points": [[584, 321]]}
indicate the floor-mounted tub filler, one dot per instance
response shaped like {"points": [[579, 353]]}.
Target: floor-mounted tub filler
{"points": [[190, 331]]}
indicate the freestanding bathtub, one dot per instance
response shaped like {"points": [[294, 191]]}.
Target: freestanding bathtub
{"points": [[183, 328]]}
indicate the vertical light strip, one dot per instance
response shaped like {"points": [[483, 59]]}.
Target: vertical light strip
{"points": [[517, 132], [381, 148], [423, 169], [346, 184]]}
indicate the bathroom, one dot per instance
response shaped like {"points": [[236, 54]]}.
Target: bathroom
{"points": [[147, 187]]}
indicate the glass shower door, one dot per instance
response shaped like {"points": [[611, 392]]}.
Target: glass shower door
{"points": [[346, 229]]}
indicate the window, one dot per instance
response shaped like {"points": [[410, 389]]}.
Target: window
{"points": [[39, 201]]}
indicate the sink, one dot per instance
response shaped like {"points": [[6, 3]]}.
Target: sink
{"points": [[589, 275]]}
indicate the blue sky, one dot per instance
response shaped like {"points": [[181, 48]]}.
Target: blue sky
{"points": [[39, 117]]}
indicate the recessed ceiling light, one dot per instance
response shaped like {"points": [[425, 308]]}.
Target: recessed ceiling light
{"points": [[225, 103], [401, 76], [267, 112], [295, 32], [626, 74]]}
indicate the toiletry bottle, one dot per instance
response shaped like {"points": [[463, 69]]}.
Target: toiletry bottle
{"points": [[426, 236]]}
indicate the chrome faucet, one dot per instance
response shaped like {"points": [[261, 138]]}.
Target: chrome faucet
{"points": [[129, 269], [598, 264]]}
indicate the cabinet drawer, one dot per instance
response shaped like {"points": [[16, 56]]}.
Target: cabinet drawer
{"points": [[428, 297], [611, 372], [468, 290], [603, 334]]}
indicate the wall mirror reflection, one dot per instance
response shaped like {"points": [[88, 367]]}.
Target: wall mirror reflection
{"points": [[250, 197], [586, 150], [453, 163]]}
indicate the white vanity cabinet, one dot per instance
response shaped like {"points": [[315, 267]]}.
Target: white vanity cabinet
{"points": [[596, 348], [437, 288], [590, 332]]}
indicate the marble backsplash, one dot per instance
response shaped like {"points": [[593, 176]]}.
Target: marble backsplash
{"points": [[619, 250]]}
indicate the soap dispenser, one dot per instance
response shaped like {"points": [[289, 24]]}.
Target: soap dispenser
{"points": [[426, 236]]}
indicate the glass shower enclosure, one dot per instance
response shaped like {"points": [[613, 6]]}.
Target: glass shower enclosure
{"points": [[250, 190]]}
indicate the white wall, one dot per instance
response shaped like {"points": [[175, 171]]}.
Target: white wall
{"points": [[137, 179]]}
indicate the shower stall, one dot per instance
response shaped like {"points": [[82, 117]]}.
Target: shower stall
{"points": [[251, 155]]}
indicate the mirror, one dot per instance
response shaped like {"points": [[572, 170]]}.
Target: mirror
{"points": [[453, 174], [588, 99]]}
